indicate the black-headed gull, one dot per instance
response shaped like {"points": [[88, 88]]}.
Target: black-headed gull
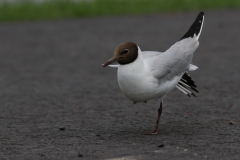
{"points": [[146, 75]]}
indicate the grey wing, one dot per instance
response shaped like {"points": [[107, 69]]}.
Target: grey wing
{"points": [[175, 62]]}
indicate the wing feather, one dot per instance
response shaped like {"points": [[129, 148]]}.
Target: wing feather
{"points": [[187, 83], [173, 62], [176, 60]]}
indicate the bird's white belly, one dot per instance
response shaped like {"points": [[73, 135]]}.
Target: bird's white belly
{"points": [[140, 88]]}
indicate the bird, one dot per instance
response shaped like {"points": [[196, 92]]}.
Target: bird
{"points": [[147, 75]]}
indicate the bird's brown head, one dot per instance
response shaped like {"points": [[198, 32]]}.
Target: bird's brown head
{"points": [[125, 53]]}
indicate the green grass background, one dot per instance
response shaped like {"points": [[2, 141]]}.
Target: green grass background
{"points": [[58, 9]]}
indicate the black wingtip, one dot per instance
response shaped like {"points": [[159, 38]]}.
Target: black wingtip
{"points": [[201, 13], [195, 27], [187, 83]]}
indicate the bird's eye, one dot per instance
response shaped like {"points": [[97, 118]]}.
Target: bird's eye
{"points": [[125, 51]]}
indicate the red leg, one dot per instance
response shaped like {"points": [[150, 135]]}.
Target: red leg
{"points": [[156, 127]]}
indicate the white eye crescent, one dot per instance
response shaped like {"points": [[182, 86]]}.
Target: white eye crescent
{"points": [[125, 51]]}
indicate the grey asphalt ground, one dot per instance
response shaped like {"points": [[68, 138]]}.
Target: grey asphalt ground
{"points": [[51, 76]]}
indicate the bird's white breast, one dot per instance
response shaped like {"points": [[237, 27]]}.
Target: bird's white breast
{"points": [[136, 86]]}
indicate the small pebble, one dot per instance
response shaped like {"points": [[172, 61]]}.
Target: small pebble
{"points": [[161, 145], [186, 116], [98, 135], [62, 128], [230, 122], [80, 154]]}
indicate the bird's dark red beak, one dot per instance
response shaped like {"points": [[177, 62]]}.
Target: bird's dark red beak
{"points": [[110, 61]]}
